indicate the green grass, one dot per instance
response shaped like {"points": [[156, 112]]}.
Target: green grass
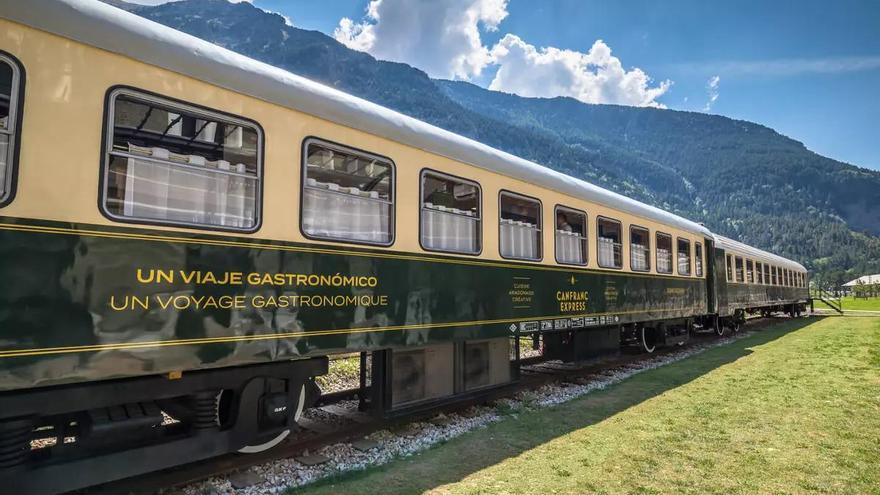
{"points": [[792, 409], [342, 373], [853, 304]]}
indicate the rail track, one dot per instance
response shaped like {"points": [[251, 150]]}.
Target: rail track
{"points": [[335, 418]]}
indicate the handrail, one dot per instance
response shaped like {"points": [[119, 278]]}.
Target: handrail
{"points": [[833, 301]]}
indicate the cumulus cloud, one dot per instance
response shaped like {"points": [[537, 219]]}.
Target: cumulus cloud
{"points": [[596, 76], [441, 37], [712, 92]]}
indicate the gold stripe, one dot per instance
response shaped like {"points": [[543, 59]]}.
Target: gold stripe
{"points": [[214, 242], [275, 336]]}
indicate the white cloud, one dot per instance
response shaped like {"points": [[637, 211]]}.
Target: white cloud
{"points": [[593, 77], [441, 37], [785, 67], [712, 91]]}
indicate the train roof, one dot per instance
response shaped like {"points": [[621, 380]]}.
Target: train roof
{"points": [[737, 247], [115, 30]]}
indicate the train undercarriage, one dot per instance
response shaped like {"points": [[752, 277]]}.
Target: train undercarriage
{"points": [[139, 425]]}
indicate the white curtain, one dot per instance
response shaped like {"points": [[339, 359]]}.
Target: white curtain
{"points": [[345, 213], [204, 196], [684, 264], [569, 246], [664, 260], [519, 239], [450, 229], [608, 252], [4, 152], [639, 257]]}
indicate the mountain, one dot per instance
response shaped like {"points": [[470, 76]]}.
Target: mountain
{"points": [[741, 179]]}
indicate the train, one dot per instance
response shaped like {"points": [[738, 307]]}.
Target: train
{"points": [[187, 234]]}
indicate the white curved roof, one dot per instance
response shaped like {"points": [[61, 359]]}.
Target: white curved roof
{"points": [[741, 249], [112, 29]]}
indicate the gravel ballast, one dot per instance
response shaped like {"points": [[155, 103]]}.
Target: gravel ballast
{"points": [[283, 474]]}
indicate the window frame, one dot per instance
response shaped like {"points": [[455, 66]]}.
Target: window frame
{"points": [[690, 272], [345, 149], [648, 237], [672, 258], [151, 97], [14, 126], [731, 265], [428, 170], [698, 246], [735, 273], [586, 240], [599, 218], [539, 259]]}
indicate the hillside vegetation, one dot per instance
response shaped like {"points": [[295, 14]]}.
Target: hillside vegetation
{"points": [[741, 179]]}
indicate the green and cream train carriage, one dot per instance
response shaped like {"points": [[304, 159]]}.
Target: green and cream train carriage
{"points": [[189, 231]]}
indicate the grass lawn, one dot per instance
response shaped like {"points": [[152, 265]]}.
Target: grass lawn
{"points": [[851, 303], [792, 409]]}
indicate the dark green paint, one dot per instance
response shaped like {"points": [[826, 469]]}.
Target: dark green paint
{"points": [[57, 289]]}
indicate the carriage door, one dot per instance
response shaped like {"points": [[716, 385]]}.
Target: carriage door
{"points": [[709, 263]]}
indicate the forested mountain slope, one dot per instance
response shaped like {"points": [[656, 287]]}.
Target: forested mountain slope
{"points": [[740, 178]]}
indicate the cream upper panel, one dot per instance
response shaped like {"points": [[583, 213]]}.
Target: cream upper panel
{"points": [[59, 164]]}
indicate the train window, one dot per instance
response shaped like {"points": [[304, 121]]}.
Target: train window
{"points": [[172, 163], [520, 227], [10, 82], [766, 274], [609, 238], [450, 214], [740, 275], [664, 253], [730, 268], [758, 273], [775, 272], [684, 256], [639, 249], [750, 271], [698, 258], [571, 236], [348, 195]]}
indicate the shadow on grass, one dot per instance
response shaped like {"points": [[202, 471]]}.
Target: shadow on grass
{"points": [[470, 453]]}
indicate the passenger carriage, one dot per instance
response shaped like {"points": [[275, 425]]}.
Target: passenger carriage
{"points": [[188, 231]]}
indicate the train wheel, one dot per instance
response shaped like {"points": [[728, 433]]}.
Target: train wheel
{"points": [[273, 441], [734, 325], [719, 327], [648, 340]]}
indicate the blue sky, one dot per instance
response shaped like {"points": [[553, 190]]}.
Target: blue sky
{"points": [[809, 69]]}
